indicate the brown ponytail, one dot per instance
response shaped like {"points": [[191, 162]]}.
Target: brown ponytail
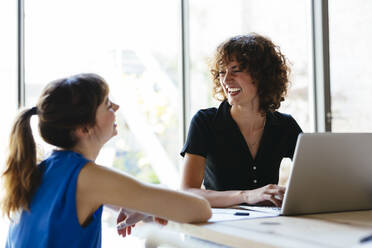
{"points": [[21, 176]]}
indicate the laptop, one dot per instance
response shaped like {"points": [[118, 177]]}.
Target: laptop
{"points": [[331, 172]]}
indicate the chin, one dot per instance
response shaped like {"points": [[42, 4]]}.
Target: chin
{"points": [[115, 133], [231, 101]]}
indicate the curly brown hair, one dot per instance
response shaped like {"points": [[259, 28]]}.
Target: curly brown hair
{"points": [[264, 62]]}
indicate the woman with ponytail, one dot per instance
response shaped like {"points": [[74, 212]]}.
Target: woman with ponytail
{"points": [[58, 202]]}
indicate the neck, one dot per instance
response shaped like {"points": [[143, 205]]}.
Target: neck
{"points": [[89, 151], [249, 117]]}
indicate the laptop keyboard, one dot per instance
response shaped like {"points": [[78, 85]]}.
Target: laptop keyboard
{"points": [[266, 209]]}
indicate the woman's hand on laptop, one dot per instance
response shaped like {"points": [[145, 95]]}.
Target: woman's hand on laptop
{"points": [[269, 194]]}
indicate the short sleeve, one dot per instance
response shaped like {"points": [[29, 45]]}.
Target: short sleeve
{"points": [[294, 131], [198, 135]]}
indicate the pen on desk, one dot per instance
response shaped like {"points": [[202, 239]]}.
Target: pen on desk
{"points": [[241, 213], [366, 239]]}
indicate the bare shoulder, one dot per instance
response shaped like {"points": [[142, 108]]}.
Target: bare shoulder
{"points": [[95, 173], [91, 172], [103, 185], [92, 166]]}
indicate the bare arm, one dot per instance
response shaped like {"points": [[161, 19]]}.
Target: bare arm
{"points": [[99, 185], [192, 177]]}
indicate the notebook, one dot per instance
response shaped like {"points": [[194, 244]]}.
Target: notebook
{"points": [[331, 172]]}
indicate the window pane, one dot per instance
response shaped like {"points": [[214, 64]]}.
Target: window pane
{"points": [[136, 49], [350, 55], [213, 21], [8, 84], [138, 61], [8, 69]]}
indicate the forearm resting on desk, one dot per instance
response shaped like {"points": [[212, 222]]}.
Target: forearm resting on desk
{"points": [[219, 198], [270, 194]]}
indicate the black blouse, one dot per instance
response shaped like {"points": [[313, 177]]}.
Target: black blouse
{"points": [[214, 135]]}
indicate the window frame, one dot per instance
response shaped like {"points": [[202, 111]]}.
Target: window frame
{"points": [[319, 87]]}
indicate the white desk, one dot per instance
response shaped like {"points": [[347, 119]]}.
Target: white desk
{"points": [[321, 230]]}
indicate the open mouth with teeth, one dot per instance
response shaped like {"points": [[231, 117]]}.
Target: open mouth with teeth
{"points": [[233, 91]]}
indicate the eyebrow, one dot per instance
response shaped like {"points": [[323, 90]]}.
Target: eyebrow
{"points": [[234, 67]]}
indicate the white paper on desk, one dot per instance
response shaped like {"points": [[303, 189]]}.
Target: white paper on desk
{"points": [[227, 214]]}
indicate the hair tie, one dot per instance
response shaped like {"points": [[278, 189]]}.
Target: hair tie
{"points": [[33, 111]]}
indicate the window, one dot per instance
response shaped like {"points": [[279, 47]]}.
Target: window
{"points": [[8, 85], [134, 45], [138, 61], [350, 55], [285, 22]]}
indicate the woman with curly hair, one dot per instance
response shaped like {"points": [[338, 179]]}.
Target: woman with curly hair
{"points": [[237, 149]]}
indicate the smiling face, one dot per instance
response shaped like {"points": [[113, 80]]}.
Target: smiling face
{"points": [[237, 85], [105, 127]]}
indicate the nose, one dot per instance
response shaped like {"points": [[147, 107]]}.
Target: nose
{"points": [[227, 77], [115, 106]]}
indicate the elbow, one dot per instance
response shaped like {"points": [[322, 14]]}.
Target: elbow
{"points": [[201, 214], [207, 213], [185, 187]]}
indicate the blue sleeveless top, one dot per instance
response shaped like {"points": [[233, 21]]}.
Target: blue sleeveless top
{"points": [[52, 220]]}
